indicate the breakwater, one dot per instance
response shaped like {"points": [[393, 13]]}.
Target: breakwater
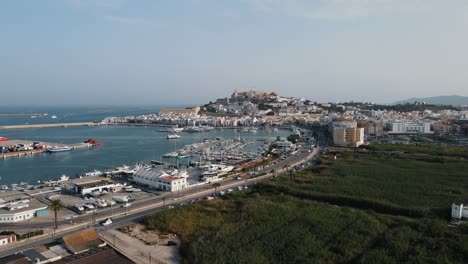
{"points": [[49, 125]]}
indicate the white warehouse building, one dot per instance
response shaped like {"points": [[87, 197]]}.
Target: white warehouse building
{"points": [[170, 180], [409, 127], [16, 210]]}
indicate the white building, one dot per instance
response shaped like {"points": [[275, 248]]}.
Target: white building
{"points": [[409, 127], [168, 180], [7, 239], [19, 210], [459, 211], [92, 184], [285, 145]]}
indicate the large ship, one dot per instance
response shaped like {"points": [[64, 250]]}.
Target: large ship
{"points": [[59, 149]]}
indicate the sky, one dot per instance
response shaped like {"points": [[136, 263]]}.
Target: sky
{"points": [[91, 52]]}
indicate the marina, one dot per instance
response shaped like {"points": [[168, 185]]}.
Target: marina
{"points": [[121, 145]]}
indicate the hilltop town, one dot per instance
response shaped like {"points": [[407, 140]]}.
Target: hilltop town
{"points": [[348, 124]]}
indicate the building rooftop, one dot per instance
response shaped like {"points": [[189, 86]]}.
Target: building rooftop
{"points": [[33, 205], [170, 178], [82, 241], [14, 259], [91, 179], [108, 255]]}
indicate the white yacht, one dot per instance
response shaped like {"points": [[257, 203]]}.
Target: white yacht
{"points": [[173, 136]]}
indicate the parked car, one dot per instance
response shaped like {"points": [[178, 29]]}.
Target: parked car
{"points": [[171, 243], [107, 222]]}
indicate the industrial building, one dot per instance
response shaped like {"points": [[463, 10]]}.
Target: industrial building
{"points": [[167, 180]]}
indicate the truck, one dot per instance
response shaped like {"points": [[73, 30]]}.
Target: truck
{"points": [[121, 199]]}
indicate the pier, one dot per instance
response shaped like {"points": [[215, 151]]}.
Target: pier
{"points": [[35, 151], [22, 114], [50, 125]]}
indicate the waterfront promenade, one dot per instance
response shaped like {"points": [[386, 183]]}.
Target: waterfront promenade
{"points": [[49, 125]]}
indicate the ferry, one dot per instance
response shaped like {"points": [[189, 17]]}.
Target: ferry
{"points": [[173, 136], [59, 149]]}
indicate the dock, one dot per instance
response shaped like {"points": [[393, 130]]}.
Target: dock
{"points": [[49, 125], [35, 151], [22, 114]]}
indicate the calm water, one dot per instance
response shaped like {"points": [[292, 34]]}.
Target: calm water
{"points": [[70, 114], [121, 145]]}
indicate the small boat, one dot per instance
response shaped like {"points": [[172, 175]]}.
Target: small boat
{"points": [[4, 139], [59, 149], [92, 173], [53, 117], [173, 136], [93, 142]]}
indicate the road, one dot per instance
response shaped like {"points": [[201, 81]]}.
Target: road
{"points": [[137, 212]]}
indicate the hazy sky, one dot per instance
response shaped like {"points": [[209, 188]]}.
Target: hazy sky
{"points": [[194, 51]]}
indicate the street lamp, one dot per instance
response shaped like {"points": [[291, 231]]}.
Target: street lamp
{"points": [[151, 252]]}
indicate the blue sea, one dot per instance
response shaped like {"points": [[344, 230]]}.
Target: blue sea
{"points": [[69, 114], [122, 145]]}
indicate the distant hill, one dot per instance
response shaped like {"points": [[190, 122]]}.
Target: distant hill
{"points": [[438, 100]]}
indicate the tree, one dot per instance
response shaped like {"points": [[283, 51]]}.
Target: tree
{"points": [[216, 185], [56, 206]]}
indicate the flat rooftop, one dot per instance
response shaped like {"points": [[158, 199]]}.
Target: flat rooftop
{"points": [[92, 179], [33, 205]]}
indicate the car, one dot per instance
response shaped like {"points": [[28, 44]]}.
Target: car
{"points": [[246, 187], [209, 197], [238, 178], [126, 205], [171, 243], [107, 222], [170, 207], [230, 190]]}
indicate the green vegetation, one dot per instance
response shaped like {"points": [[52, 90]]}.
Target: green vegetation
{"points": [[260, 227], [398, 183], [379, 205]]}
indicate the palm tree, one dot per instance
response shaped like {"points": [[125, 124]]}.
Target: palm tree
{"points": [[56, 206], [216, 185]]}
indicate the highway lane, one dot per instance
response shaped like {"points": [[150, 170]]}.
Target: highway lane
{"points": [[136, 213]]}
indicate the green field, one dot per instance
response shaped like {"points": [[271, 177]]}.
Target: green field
{"points": [[372, 206], [411, 184], [267, 228]]}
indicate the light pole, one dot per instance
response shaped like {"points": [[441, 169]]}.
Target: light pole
{"points": [[150, 253]]}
